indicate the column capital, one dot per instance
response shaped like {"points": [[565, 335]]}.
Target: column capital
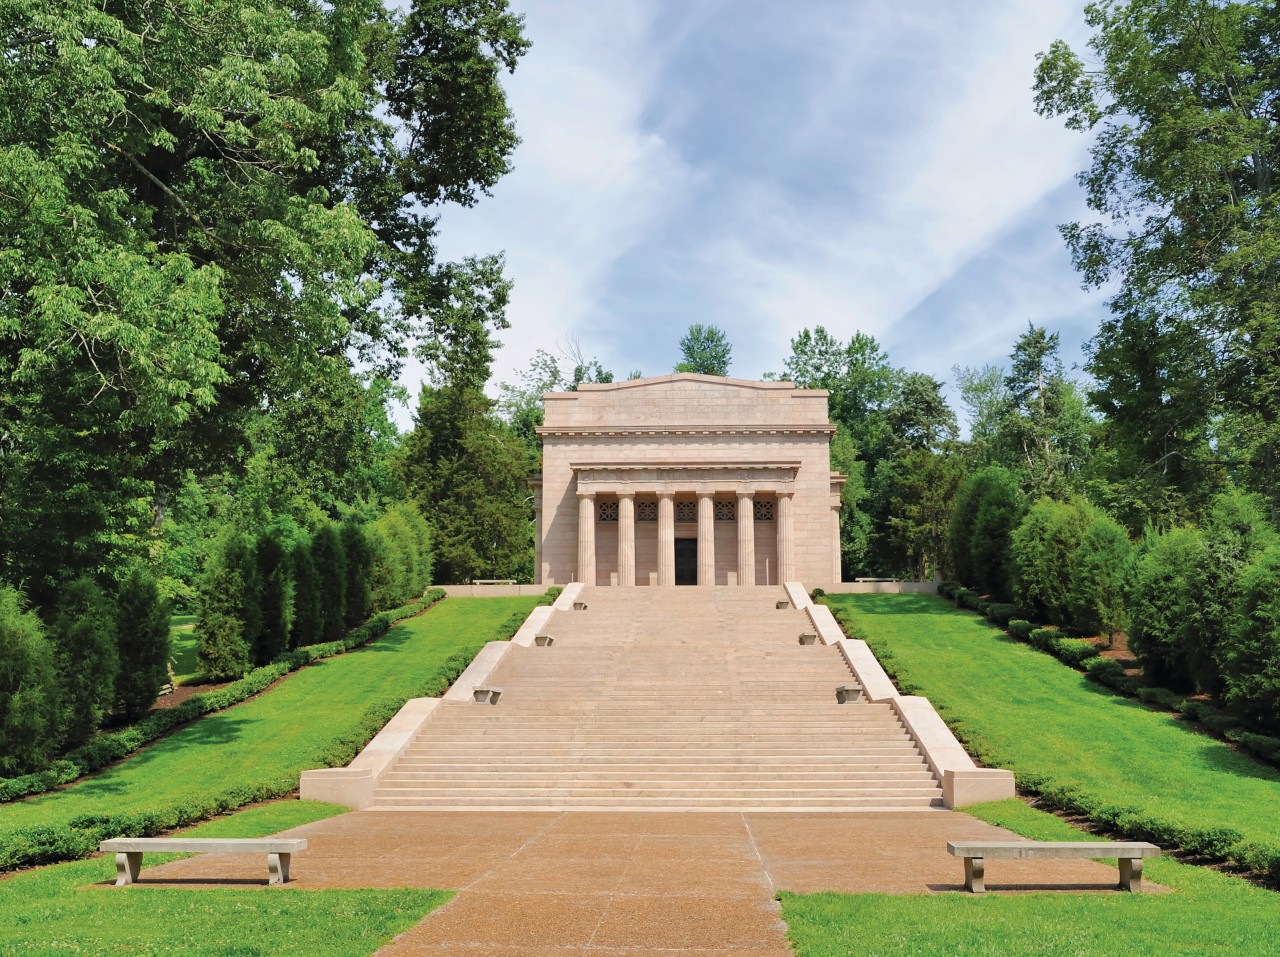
{"points": [[588, 495], [626, 495]]}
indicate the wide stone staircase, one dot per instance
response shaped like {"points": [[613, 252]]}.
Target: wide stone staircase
{"points": [[671, 698]]}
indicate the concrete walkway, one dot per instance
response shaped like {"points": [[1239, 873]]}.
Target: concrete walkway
{"points": [[608, 884]]}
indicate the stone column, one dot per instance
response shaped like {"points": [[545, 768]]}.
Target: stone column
{"points": [[786, 540], [706, 539], [666, 539], [626, 539], [746, 539], [587, 538]]}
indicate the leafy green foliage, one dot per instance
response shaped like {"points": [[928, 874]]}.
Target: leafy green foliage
{"points": [[705, 350], [355, 546], [142, 633], [1164, 598], [331, 571], [229, 607], [215, 195], [988, 507], [1249, 653], [308, 605], [401, 556], [1042, 549], [1095, 595], [83, 634], [28, 688], [468, 475], [1179, 95], [275, 590]]}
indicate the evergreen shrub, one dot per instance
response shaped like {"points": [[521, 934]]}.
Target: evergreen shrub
{"points": [[1095, 594], [1042, 548], [1001, 613], [28, 688], [331, 569], [142, 635], [1249, 652], [1020, 628], [228, 607], [275, 596], [1163, 594], [308, 610], [86, 659]]}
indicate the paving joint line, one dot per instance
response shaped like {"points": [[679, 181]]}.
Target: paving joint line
{"points": [[773, 887]]}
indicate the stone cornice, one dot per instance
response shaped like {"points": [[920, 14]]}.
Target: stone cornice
{"points": [[635, 430]]}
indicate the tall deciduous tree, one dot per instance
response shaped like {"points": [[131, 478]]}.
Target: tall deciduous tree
{"points": [[705, 349], [1184, 177], [202, 201]]}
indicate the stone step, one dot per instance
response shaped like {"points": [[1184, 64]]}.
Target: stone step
{"points": [[666, 803], [648, 790], [658, 774]]}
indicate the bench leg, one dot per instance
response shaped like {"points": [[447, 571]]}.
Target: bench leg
{"points": [[128, 864], [1131, 874], [974, 869], [278, 866]]}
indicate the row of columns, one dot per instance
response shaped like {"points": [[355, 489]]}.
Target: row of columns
{"points": [[667, 539]]}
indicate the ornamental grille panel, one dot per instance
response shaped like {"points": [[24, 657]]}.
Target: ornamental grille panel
{"points": [[608, 511], [646, 511], [686, 511], [725, 511], [764, 510]]}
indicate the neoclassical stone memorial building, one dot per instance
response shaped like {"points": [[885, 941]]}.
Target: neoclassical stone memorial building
{"points": [[687, 480]]}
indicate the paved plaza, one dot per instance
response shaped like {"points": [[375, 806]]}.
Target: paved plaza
{"points": [[628, 883]]}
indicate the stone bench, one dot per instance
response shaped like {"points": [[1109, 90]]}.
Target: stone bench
{"points": [[544, 640], [806, 638], [782, 603], [579, 606], [975, 853], [493, 581], [129, 852], [486, 695]]}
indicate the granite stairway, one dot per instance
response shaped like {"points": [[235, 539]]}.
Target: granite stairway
{"points": [[671, 698]]}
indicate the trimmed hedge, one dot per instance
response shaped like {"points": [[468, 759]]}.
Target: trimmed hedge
{"points": [[108, 748], [1002, 613]]}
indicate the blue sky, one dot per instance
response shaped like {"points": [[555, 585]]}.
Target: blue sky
{"points": [[863, 165]]}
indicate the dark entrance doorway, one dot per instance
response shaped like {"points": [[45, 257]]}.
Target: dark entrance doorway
{"points": [[686, 561]]}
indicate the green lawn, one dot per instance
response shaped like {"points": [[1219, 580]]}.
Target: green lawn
{"points": [[1208, 914], [1036, 716], [270, 740], [65, 909], [182, 648]]}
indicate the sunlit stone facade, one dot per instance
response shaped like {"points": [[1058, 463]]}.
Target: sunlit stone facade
{"points": [[687, 479]]}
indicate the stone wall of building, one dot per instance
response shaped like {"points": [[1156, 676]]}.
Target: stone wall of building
{"points": [[682, 434]]}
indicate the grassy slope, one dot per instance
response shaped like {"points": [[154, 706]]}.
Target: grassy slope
{"points": [[50, 911], [283, 732], [1208, 914], [1034, 714], [1038, 714]]}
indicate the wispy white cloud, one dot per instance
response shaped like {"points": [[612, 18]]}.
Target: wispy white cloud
{"points": [[766, 167]]}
